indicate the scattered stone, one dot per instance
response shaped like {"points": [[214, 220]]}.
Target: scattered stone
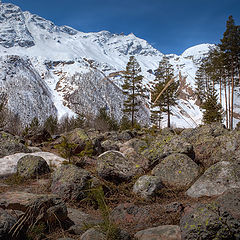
{"points": [[165, 145], [109, 145], [31, 166], [177, 170], [10, 144], [166, 232], [209, 221], [113, 166], [93, 234], [80, 220], [147, 186], [70, 181], [216, 180], [9, 163], [137, 144]]}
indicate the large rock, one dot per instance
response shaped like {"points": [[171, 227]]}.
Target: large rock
{"points": [[114, 166], [165, 145], [70, 181], [6, 223], [205, 140], [31, 166], [49, 210], [229, 148], [37, 208], [166, 232], [147, 186], [138, 217], [217, 220], [109, 145], [93, 234], [10, 144], [214, 129], [9, 163], [137, 144], [77, 136], [177, 170], [216, 180], [80, 220]]}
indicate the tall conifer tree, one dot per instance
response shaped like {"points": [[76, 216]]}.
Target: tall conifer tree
{"points": [[164, 74], [133, 88]]}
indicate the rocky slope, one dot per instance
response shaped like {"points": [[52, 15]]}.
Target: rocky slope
{"points": [[182, 185], [82, 71]]}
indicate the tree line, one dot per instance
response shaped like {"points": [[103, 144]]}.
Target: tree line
{"points": [[220, 70]]}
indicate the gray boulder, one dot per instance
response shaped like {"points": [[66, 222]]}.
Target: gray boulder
{"points": [[166, 232], [216, 180], [212, 221], [10, 144], [165, 145], [177, 170], [70, 181], [137, 144], [6, 223], [114, 166], [80, 220], [109, 145], [147, 186], [93, 234], [31, 166]]}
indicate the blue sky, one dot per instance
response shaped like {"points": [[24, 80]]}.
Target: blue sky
{"points": [[169, 25]]}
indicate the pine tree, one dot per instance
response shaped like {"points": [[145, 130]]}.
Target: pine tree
{"points": [[164, 74], [201, 83], [230, 45], [133, 88], [212, 109]]}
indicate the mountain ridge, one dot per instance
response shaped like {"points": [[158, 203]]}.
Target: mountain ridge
{"points": [[65, 59]]}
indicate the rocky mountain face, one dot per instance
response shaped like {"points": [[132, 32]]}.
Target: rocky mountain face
{"points": [[81, 72], [28, 95]]}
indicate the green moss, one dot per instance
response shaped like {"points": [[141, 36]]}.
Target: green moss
{"points": [[15, 179], [88, 150]]}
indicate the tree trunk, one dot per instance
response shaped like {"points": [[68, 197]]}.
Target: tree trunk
{"points": [[168, 111], [133, 102], [229, 104], [231, 126], [220, 83], [225, 93]]}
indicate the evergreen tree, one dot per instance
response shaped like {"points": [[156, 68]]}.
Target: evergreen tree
{"points": [[133, 88], [201, 83], [230, 45], [51, 124], [212, 109], [164, 74]]}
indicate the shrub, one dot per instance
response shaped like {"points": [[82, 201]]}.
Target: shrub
{"points": [[51, 124], [104, 122], [66, 148]]}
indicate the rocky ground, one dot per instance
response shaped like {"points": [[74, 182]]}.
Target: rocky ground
{"points": [[144, 185]]}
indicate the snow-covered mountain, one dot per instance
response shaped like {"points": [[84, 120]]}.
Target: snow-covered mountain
{"points": [[81, 72]]}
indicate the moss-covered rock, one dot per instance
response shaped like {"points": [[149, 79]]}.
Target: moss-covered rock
{"points": [[209, 221], [165, 145], [216, 179], [177, 170], [166, 232], [114, 166], [147, 186], [30, 166], [10, 144], [70, 181]]}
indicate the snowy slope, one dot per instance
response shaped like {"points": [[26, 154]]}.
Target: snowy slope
{"points": [[83, 70]]}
